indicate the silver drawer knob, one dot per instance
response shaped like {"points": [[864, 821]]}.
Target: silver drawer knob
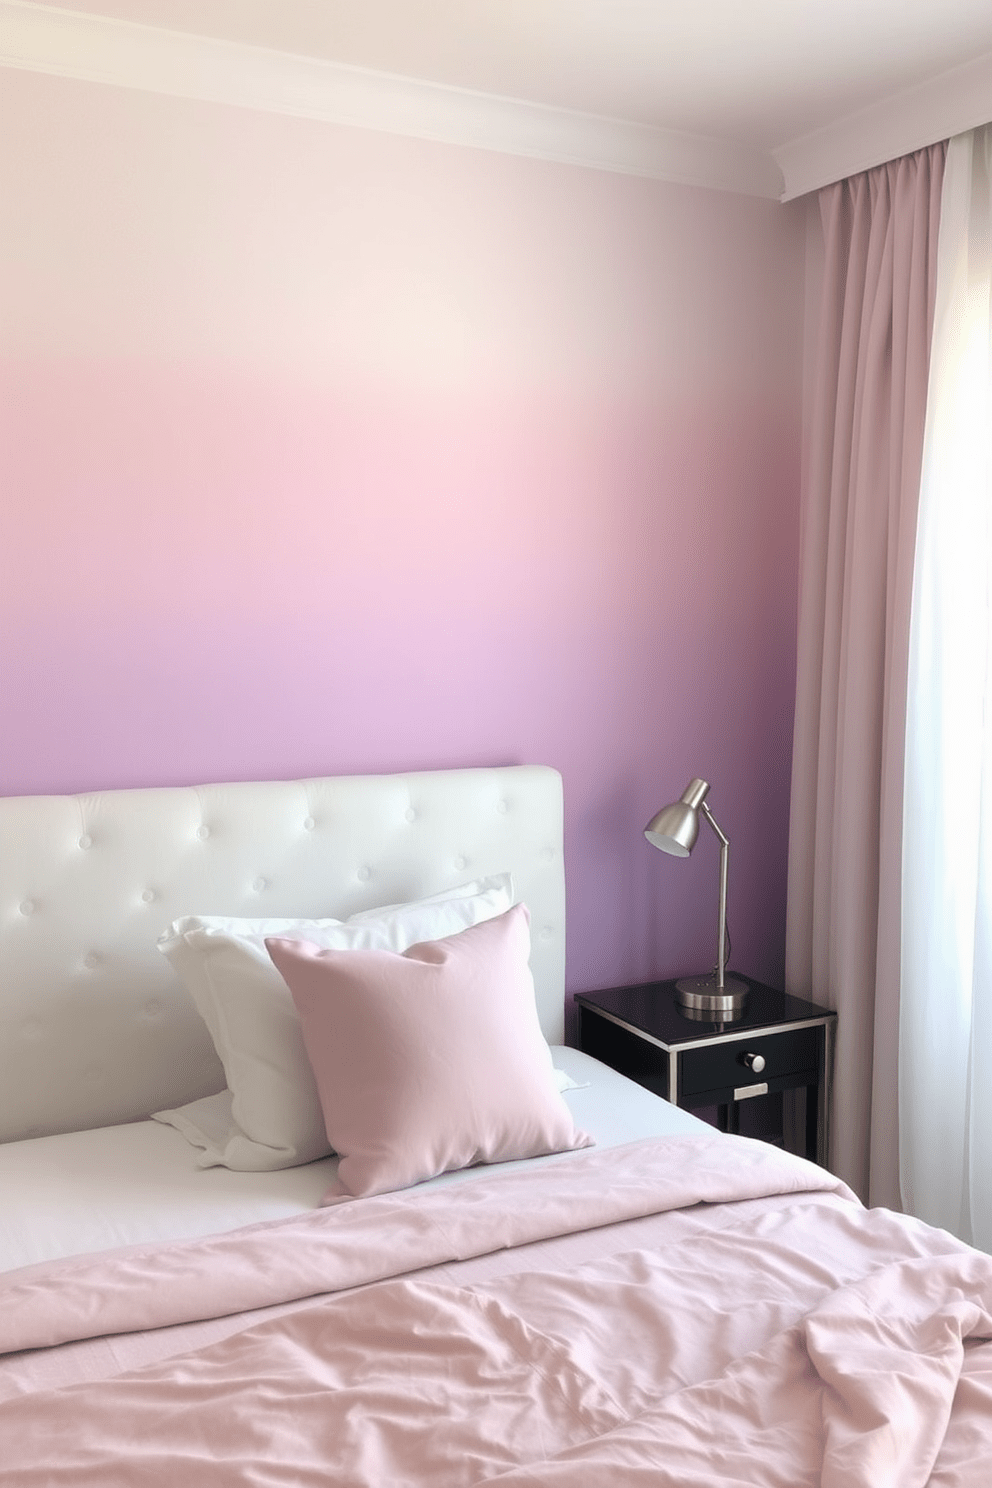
{"points": [[755, 1062]]}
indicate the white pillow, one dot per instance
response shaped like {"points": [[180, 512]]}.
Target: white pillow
{"points": [[274, 1119]]}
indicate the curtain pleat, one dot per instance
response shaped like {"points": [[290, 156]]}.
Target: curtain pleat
{"points": [[860, 493]]}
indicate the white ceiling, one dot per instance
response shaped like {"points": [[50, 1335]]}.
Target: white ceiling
{"points": [[768, 77]]}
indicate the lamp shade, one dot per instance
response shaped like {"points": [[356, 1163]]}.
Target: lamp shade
{"points": [[675, 828]]}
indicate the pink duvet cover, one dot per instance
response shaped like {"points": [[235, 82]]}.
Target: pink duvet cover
{"points": [[742, 1320]]}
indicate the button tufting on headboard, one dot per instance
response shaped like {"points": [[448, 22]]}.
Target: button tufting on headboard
{"points": [[94, 1026]]}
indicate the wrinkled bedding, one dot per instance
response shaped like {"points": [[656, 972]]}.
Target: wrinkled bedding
{"points": [[679, 1311]]}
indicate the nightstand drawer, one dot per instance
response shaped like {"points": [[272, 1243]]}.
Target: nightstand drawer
{"points": [[718, 1068]]}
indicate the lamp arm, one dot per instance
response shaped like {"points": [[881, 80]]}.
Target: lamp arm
{"points": [[724, 858]]}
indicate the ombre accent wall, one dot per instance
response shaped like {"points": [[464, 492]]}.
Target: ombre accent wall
{"points": [[328, 451]]}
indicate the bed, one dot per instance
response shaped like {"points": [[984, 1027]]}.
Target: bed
{"points": [[192, 1283]]}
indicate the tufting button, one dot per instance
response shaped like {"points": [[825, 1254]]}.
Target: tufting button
{"points": [[148, 897], [27, 908], [546, 933], [260, 884], [502, 807], [152, 1008], [548, 855], [90, 960], [203, 833], [364, 874], [410, 814], [308, 824], [85, 841], [461, 863]]}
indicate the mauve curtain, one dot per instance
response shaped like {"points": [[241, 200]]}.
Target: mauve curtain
{"points": [[861, 480]]}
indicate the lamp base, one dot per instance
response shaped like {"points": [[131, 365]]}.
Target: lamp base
{"points": [[700, 994]]}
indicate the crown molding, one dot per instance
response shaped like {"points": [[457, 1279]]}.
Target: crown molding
{"points": [[102, 49], [946, 105]]}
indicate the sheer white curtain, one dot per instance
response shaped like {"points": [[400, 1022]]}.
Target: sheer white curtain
{"points": [[945, 1029]]}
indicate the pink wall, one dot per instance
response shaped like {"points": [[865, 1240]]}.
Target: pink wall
{"points": [[328, 451]]}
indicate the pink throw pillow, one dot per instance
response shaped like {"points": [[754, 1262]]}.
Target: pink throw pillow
{"points": [[429, 1060]]}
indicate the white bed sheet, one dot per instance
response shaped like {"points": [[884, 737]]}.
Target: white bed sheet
{"points": [[126, 1185]]}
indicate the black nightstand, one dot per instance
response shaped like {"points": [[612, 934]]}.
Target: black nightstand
{"points": [[779, 1043]]}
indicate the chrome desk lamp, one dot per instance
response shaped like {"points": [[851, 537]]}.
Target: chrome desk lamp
{"points": [[674, 830]]}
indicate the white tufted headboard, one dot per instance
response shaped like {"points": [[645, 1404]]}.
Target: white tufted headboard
{"points": [[95, 1028]]}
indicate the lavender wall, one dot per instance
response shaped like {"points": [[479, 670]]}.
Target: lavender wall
{"points": [[328, 451]]}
